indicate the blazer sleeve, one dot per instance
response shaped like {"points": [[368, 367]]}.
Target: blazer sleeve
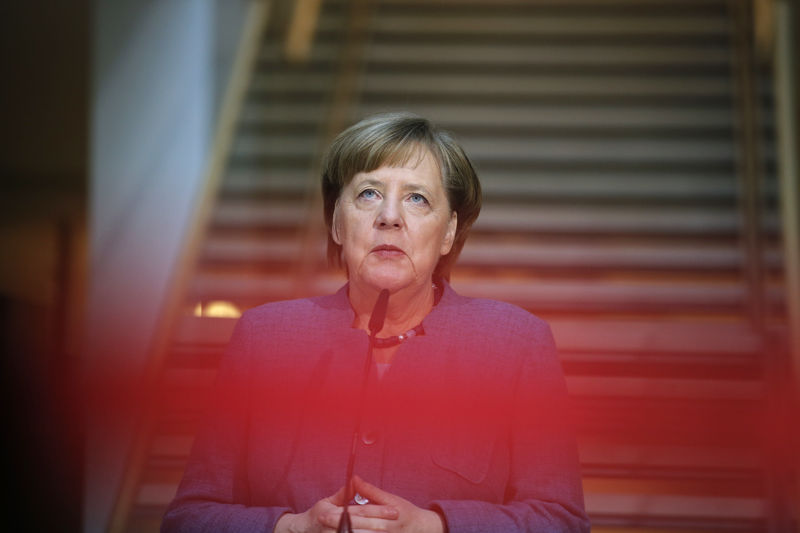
{"points": [[544, 491], [213, 495]]}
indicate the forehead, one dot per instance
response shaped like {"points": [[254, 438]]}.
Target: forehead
{"points": [[419, 165]]}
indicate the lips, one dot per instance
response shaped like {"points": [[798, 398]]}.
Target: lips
{"points": [[387, 250]]}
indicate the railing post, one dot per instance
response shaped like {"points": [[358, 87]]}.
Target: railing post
{"points": [[749, 162]]}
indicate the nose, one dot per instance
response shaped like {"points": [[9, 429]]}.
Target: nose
{"points": [[389, 216]]}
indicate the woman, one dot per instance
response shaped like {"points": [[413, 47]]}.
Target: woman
{"points": [[461, 424]]}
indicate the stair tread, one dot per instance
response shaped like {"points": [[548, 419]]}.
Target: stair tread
{"points": [[542, 55]]}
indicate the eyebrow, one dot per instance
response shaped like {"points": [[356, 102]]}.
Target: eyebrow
{"points": [[417, 187], [369, 182]]}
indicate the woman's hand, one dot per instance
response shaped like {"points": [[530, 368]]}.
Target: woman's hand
{"points": [[410, 518], [324, 516]]}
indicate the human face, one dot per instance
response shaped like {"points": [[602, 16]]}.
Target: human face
{"points": [[394, 223]]}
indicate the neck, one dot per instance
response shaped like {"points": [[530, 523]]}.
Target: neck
{"points": [[407, 307]]}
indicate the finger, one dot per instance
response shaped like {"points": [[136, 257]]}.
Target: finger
{"points": [[386, 512], [372, 493], [338, 498], [330, 519], [358, 524], [361, 523]]}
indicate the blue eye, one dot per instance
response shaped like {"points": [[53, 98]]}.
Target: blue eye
{"points": [[418, 199], [368, 194]]}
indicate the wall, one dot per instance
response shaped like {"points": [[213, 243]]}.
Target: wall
{"points": [[157, 77], [43, 176]]}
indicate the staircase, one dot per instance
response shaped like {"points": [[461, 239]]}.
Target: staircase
{"points": [[608, 137]]}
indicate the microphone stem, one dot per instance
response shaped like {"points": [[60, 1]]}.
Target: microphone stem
{"points": [[375, 325], [360, 416], [344, 523]]}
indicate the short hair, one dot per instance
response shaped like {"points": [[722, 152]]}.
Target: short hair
{"points": [[392, 139]]}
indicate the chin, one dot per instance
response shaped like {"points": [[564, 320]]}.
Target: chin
{"points": [[391, 279]]}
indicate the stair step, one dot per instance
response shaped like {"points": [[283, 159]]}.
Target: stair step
{"points": [[232, 250], [548, 56], [622, 256], [457, 23], [674, 508], [619, 186], [261, 183], [714, 150], [248, 213], [307, 114], [275, 145], [668, 422], [299, 81], [461, 117], [623, 86], [618, 7], [591, 220], [600, 295], [660, 461], [656, 388]]}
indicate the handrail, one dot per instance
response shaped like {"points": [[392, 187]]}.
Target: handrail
{"points": [[785, 66], [241, 72], [300, 35], [764, 27]]}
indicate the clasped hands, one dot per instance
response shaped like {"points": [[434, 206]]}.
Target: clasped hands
{"points": [[385, 512]]}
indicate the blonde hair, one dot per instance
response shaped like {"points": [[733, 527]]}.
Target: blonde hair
{"points": [[392, 139]]}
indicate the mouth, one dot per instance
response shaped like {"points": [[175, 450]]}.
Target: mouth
{"points": [[387, 250]]}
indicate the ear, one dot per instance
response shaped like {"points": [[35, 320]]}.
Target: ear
{"points": [[450, 235], [335, 225]]}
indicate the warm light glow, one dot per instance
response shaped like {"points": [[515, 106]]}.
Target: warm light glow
{"points": [[216, 308]]}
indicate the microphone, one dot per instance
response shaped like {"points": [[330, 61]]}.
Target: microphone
{"points": [[376, 320], [378, 316]]}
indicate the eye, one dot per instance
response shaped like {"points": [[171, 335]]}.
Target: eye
{"points": [[368, 194], [418, 199]]}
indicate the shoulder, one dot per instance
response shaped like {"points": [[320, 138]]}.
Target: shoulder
{"points": [[496, 336], [295, 314], [286, 333], [494, 318], [279, 310]]}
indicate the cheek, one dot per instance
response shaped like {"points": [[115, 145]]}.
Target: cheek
{"points": [[343, 224], [351, 229]]}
